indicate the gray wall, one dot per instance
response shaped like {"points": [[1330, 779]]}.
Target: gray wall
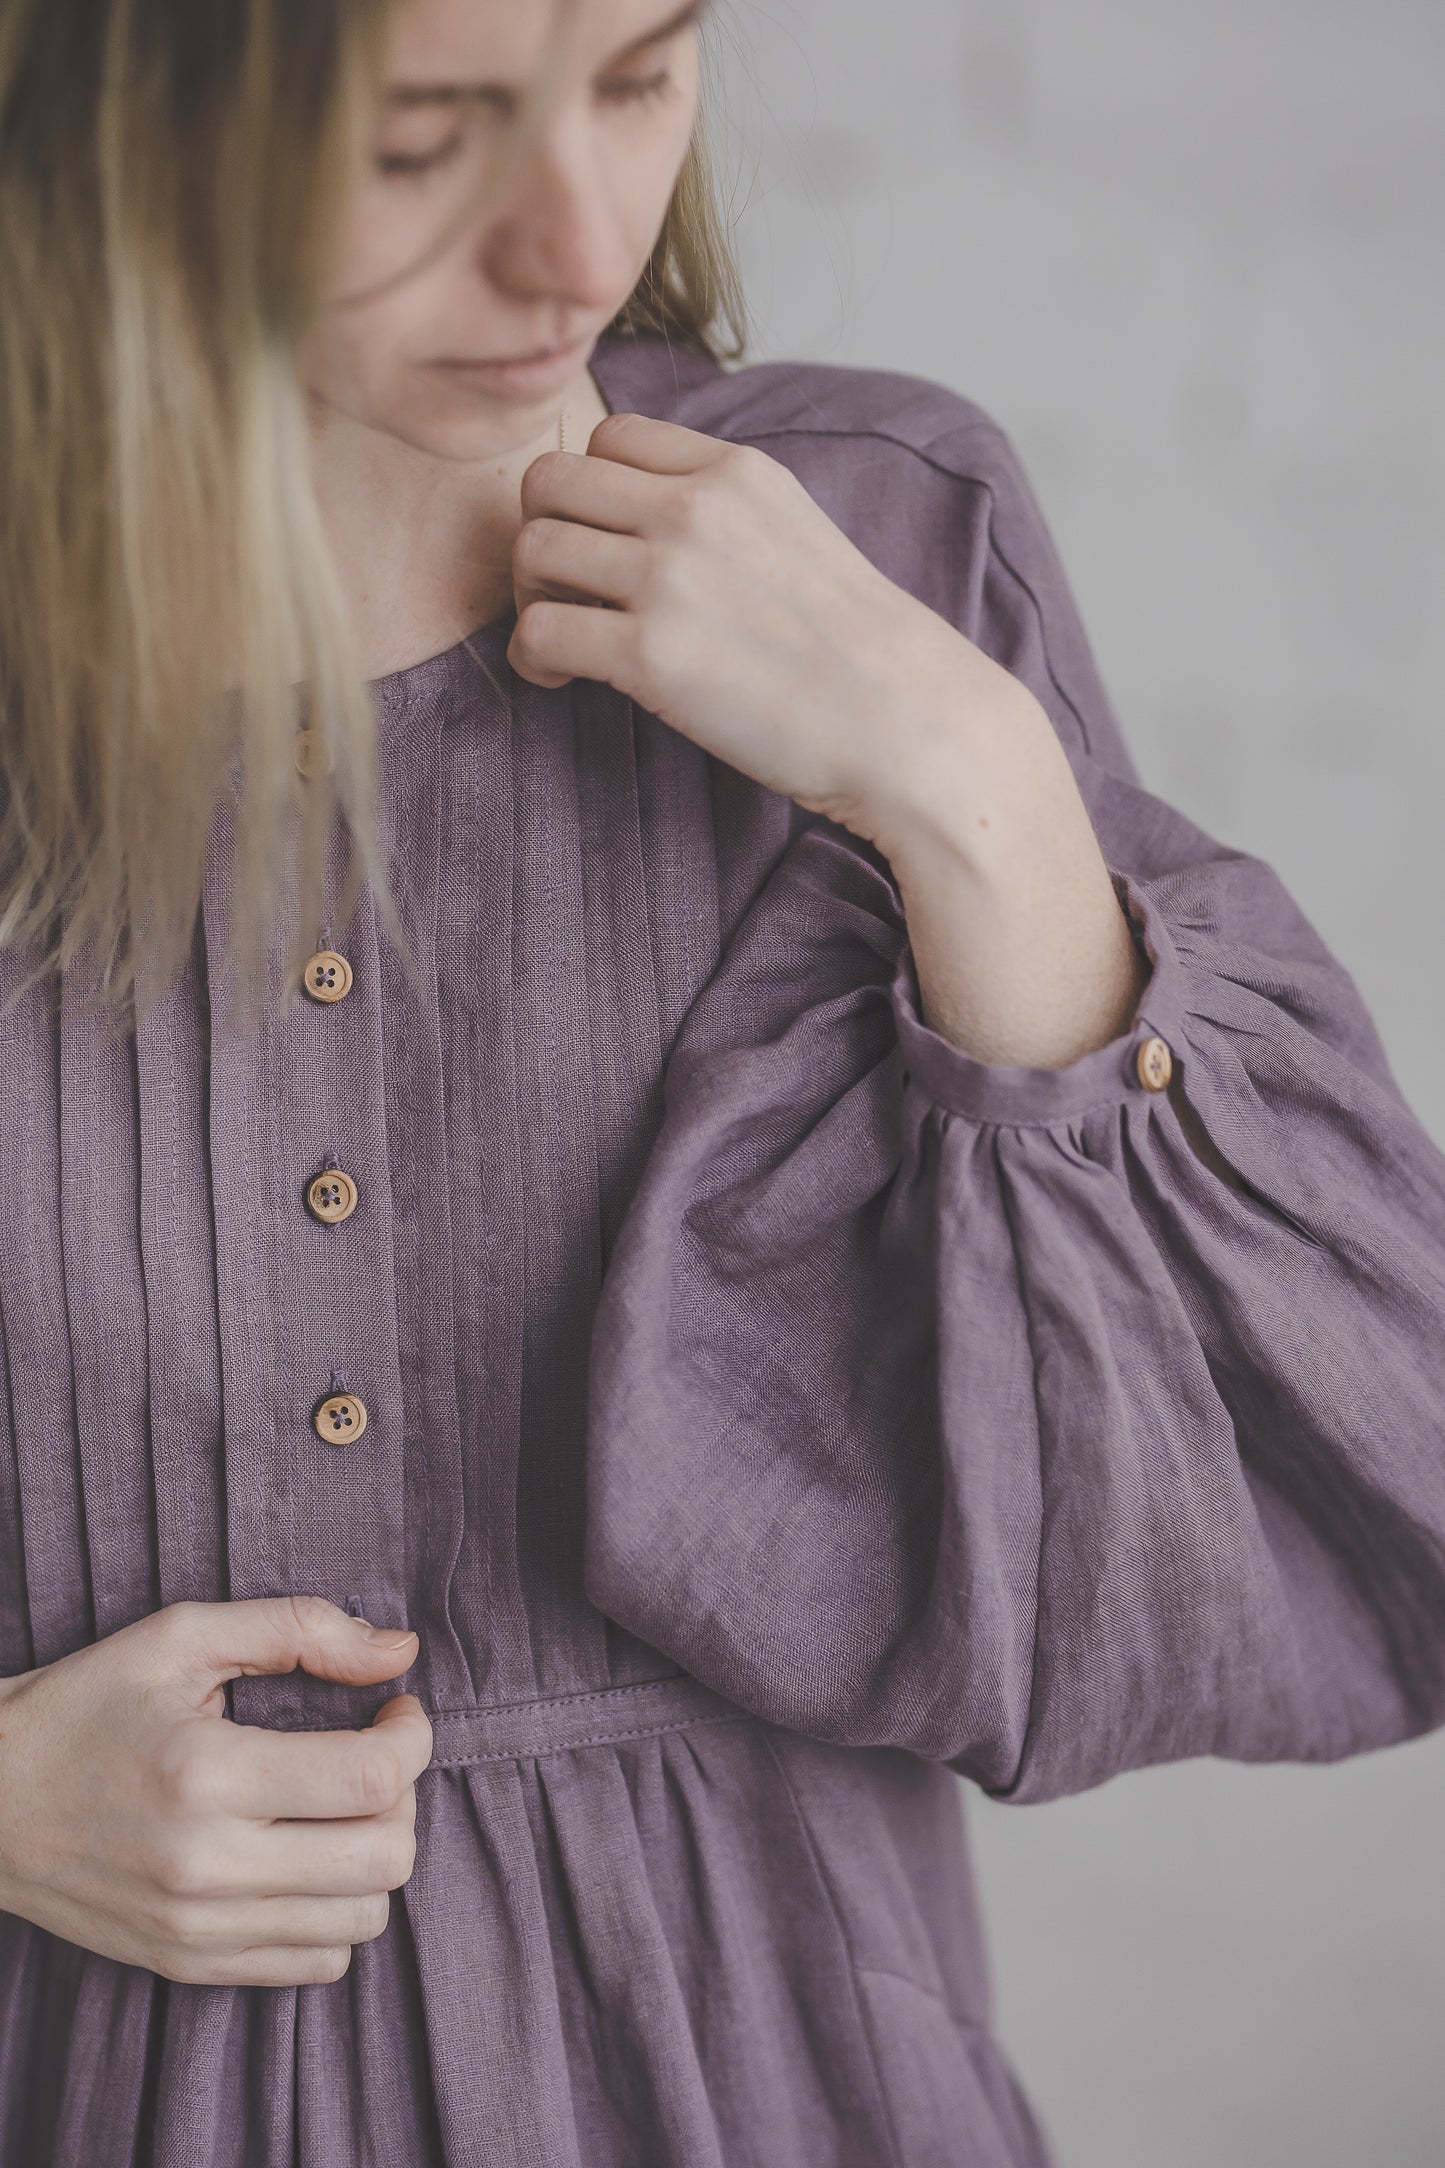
{"points": [[1187, 252]]}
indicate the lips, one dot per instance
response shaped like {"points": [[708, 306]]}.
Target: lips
{"points": [[508, 361]]}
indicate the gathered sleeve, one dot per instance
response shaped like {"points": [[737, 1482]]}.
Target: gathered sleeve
{"points": [[964, 1407]]}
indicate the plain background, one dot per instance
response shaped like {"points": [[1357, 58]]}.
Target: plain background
{"points": [[1188, 254]]}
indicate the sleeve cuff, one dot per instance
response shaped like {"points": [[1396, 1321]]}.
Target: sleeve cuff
{"points": [[1013, 1092]]}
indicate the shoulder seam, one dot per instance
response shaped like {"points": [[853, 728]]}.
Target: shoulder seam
{"points": [[990, 431]]}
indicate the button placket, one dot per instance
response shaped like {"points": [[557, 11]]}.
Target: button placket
{"points": [[283, 1090], [331, 1196]]}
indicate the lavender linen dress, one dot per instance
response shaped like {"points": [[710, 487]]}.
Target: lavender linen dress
{"points": [[772, 1410]]}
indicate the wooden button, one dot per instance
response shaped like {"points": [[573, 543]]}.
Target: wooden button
{"points": [[310, 754], [327, 976], [340, 1418], [332, 1196], [1155, 1065]]}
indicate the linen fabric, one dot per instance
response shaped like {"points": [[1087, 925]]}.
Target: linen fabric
{"points": [[774, 1414]]}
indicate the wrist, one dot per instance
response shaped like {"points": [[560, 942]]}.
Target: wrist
{"points": [[980, 785]]}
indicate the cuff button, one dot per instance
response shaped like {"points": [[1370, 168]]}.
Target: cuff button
{"points": [[1155, 1065]]}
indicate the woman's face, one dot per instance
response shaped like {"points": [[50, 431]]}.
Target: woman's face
{"points": [[549, 261]]}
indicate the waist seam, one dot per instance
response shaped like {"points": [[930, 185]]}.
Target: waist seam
{"points": [[556, 1724]]}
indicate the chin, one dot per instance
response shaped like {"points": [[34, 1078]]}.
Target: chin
{"points": [[442, 430]]}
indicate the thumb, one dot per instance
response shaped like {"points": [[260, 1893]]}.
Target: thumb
{"points": [[220, 1641]]}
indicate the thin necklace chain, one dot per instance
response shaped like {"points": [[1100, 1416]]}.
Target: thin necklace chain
{"points": [[562, 430]]}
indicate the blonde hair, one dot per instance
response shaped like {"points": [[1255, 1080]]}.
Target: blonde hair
{"points": [[171, 173]]}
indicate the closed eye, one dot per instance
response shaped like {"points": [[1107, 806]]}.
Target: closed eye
{"points": [[639, 89], [399, 163], [643, 90]]}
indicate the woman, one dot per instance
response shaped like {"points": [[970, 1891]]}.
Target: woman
{"points": [[798, 1228]]}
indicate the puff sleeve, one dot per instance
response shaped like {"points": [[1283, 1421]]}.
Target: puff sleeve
{"points": [[965, 1408]]}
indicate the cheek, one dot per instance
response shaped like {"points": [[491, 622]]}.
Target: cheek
{"points": [[355, 359], [650, 174], [382, 235]]}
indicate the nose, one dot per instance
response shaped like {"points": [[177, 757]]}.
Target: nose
{"points": [[561, 236]]}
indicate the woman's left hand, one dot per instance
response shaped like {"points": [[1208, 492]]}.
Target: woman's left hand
{"points": [[740, 615]]}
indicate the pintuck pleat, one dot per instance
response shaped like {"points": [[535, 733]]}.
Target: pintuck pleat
{"points": [[106, 1308], [50, 1604], [177, 1237]]}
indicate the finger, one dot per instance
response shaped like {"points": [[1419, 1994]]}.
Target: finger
{"points": [[350, 1858], [559, 553], [323, 1775], [285, 1922], [567, 639], [596, 492], [640, 440], [216, 1641], [279, 1967]]}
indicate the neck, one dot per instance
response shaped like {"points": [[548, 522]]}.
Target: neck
{"points": [[422, 544]]}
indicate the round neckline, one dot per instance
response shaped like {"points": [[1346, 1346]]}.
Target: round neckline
{"points": [[496, 632]]}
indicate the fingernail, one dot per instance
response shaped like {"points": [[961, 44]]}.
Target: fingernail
{"points": [[389, 1637]]}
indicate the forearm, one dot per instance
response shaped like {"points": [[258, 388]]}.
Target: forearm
{"points": [[1022, 951]]}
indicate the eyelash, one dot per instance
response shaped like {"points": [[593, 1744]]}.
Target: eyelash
{"points": [[638, 90], [642, 89]]}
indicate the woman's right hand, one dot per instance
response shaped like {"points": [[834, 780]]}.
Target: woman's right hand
{"points": [[137, 1820]]}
